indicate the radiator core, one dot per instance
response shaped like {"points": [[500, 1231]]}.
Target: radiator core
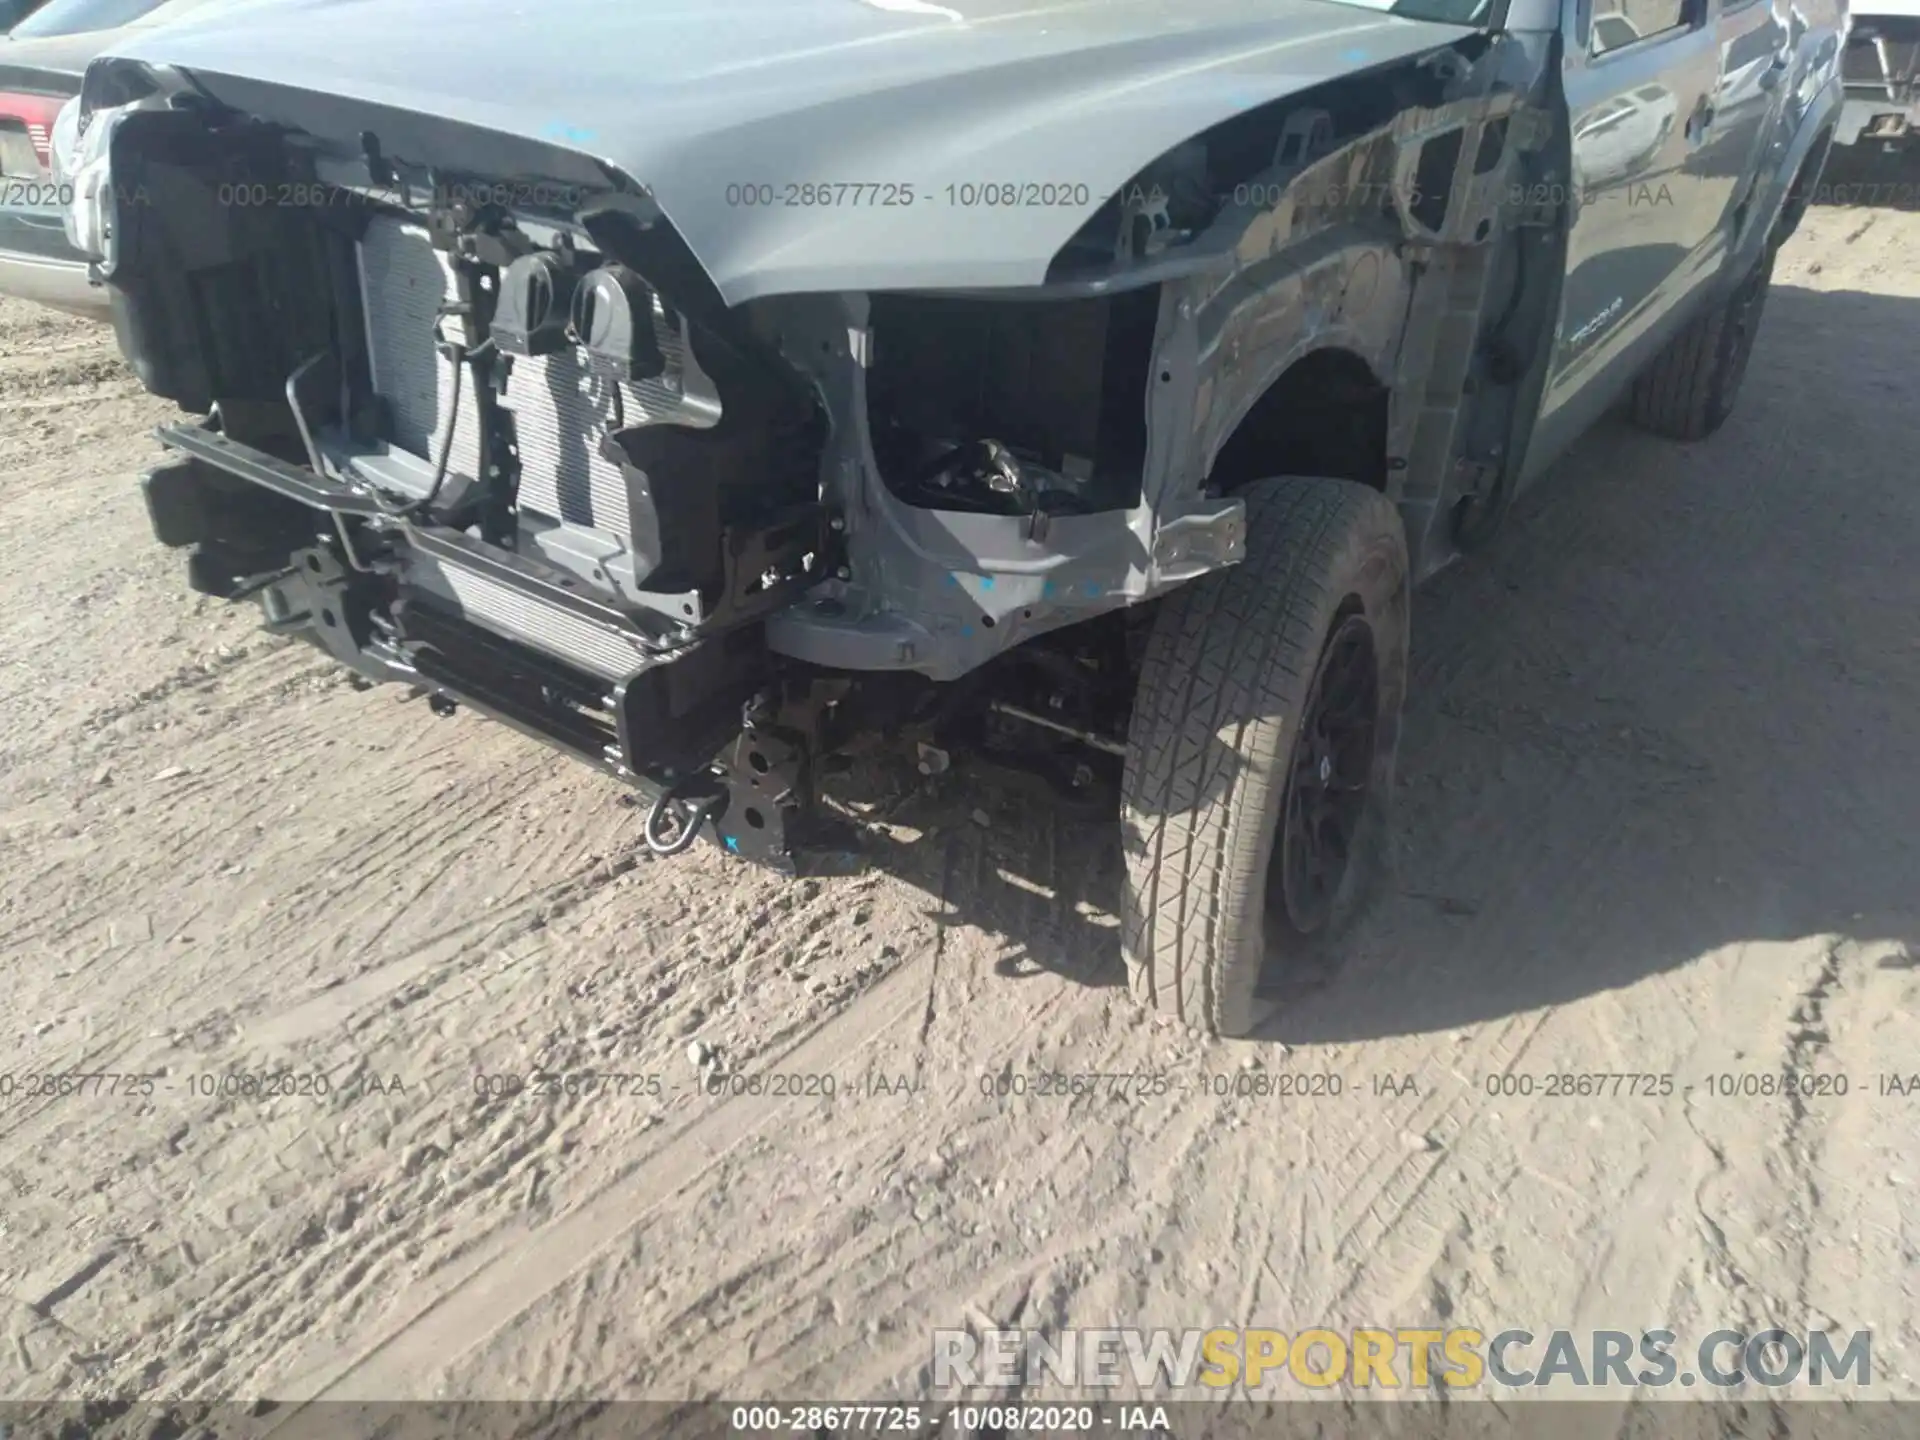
{"points": [[559, 407]]}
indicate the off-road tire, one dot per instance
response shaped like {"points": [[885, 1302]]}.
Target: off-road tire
{"points": [[1231, 661], [1689, 390]]}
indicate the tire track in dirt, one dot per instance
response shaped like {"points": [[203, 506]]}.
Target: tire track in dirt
{"points": [[364, 1266], [460, 1312], [754, 1262]]}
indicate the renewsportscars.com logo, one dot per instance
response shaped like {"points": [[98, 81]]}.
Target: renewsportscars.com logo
{"points": [[1218, 1360]]}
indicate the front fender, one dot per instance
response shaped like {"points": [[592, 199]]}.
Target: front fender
{"points": [[1784, 190]]}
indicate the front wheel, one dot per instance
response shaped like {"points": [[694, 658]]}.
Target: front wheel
{"points": [[1260, 754]]}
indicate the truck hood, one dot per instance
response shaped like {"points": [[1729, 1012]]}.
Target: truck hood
{"points": [[715, 104]]}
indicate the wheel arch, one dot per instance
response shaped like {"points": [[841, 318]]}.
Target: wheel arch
{"points": [[1322, 409]]}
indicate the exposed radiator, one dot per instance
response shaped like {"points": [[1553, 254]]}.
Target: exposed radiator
{"points": [[543, 625], [559, 408]]}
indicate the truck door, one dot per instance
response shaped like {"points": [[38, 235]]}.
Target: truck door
{"points": [[1641, 79]]}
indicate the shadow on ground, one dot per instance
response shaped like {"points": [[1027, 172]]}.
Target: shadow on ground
{"points": [[1859, 176], [1670, 708]]}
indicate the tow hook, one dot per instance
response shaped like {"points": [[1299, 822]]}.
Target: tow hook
{"points": [[686, 816]]}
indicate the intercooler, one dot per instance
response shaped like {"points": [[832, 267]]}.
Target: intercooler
{"points": [[596, 649], [559, 407]]}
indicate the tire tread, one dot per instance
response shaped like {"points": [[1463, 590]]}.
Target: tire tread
{"points": [[1688, 390], [1228, 656]]}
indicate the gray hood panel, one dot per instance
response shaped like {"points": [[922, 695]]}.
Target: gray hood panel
{"points": [[693, 100]]}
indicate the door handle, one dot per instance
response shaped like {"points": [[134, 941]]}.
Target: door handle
{"points": [[1700, 121]]}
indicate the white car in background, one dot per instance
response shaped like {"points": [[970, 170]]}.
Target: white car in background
{"points": [[1881, 72], [41, 61]]}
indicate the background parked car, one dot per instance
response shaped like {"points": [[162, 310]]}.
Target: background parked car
{"points": [[42, 59]]}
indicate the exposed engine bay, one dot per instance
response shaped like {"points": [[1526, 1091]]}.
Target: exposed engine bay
{"points": [[500, 437]]}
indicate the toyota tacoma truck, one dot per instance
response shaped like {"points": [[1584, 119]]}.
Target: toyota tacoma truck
{"points": [[1084, 383]]}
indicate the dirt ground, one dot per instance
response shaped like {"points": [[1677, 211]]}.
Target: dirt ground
{"points": [[1660, 785]]}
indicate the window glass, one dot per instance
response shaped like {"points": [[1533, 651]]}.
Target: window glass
{"points": [[12, 12], [1622, 22]]}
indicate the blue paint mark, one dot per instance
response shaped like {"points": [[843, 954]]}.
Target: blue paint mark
{"points": [[986, 583], [573, 134], [1242, 99], [1356, 55], [1047, 588], [966, 632], [732, 843], [1091, 590], [953, 579]]}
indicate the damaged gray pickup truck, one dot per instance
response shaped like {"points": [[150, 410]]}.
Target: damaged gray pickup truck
{"points": [[1082, 382]]}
